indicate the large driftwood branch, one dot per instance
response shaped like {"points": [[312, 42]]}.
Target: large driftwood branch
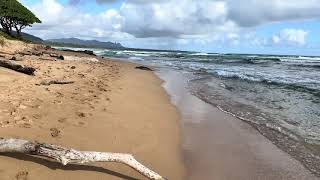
{"points": [[66, 155], [17, 67]]}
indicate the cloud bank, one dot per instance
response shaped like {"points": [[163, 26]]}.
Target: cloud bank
{"points": [[178, 21]]}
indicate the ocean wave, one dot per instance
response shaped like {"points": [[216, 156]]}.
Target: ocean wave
{"points": [[281, 126], [109, 53], [263, 59], [136, 58], [236, 75], [304, 87], [222, 60], [199, 54], [99, 52], [301, 59], [316, 66], [273, 126], [141, 54]]}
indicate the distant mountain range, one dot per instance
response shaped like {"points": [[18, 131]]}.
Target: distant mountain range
{"points": [[72, 42], [84, 43], [75, 42], [30, 37]]}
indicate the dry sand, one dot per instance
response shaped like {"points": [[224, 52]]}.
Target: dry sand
{"points": [[111, 107]]}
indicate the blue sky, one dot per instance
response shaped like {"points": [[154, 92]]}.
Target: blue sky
{"points": [[229, 26]]}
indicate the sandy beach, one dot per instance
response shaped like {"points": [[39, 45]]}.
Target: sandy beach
{"points": [[159, 90], [111, 107]]}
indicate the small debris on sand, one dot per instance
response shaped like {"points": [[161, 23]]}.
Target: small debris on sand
{"points": [[81, 114], [144, 68], [22, 175], [55, 132]]}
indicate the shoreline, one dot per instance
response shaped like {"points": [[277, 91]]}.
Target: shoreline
{"points": [[110, 108], [206, 141], [219, 146]]}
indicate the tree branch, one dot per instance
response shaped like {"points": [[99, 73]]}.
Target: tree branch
{"points": [[66, 155]]}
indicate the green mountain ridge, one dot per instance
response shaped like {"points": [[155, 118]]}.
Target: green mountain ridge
{"points": [[75, 42], [70, 42]]}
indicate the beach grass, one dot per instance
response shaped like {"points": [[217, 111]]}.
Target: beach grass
{"points": [[2, 42], [6, 36]]}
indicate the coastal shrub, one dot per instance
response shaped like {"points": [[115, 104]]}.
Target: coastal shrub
{"points": [[13, 15], [6, 36], [2, 42]]}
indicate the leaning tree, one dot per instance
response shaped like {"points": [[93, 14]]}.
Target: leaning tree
{"points": [[13, 15]]}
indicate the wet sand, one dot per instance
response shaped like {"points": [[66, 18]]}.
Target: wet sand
{"points": [[218, 146], [111, 107]]}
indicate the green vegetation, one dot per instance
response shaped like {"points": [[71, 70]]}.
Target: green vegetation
{"points": [[13, 37], [2, 42], [6, 36], [13, 15]]}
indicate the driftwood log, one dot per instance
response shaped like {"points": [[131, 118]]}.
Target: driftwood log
{"points": [[17, 67], [48, 83], [66, 155]]}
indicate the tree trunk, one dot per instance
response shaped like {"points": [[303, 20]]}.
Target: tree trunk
{"points": [[18, 33], [5, 29], [66, 155], [6, 24], [17, 67]]}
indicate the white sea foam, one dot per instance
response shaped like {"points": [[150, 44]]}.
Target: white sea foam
{"points": [[136, 58], [301, 59], [200, 54]]}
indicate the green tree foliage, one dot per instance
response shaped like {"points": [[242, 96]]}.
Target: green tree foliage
{"points": [[14, 15]]}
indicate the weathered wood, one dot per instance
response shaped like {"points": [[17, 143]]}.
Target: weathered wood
{"points": [[17, 67], [7, 53], [144, 68], [66, 155], [48, 83], [25, 53], [47, 59]]}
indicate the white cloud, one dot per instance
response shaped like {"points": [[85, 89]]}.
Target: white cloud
{"points": [[177, 22], [285, 38], [248, 13], [290, 37], [49, 11], [175, 18], [276, 39], [67, 21]]}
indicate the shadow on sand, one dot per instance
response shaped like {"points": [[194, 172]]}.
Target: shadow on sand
{"points": [[71, 167]]}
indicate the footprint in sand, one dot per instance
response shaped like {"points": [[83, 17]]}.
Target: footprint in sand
{"points": [[22, 175], [57, 102], [25, 125], [81, 114], [37, 116], [62, 120], [81, 123]]}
